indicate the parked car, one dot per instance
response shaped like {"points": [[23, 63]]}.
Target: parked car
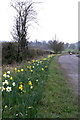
{"points": [[70, 53]]}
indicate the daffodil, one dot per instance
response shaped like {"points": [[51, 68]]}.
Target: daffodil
{"points": [[42, 69], [15, 69], [31, 70], [16, 115], [3, 88], [29, 107], [7, 76], [32, 66], [29, 83], [3, 83], [22, 70], [45, 66], [18, 70], [29, 67], [21, 87], [36, 80], [4, 75], [11, 78], [40, 61], [8, 89], [13, 84], [5, 106], [31, 87], [20, 82], [8, 72], [6, 82], [33, 61]]}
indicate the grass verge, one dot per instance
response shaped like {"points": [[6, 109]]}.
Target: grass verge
{"points": [[22, 89], [58, 100]]}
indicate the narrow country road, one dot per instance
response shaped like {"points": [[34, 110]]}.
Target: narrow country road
{"points": [[69, 65]]}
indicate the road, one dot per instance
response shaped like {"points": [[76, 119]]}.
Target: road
{"points": [[69, 65]]}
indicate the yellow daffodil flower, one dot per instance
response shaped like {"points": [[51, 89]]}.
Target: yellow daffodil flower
{"points": [[29, 83], [21, 87], [15, 69], [31, 70], [5, 106], [36, 80], [11, 78], [22, 70], [18, 70], [45, 66], [42, 69], [29, 107]]}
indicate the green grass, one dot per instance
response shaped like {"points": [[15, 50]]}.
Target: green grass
{"points": [[58, 100]]}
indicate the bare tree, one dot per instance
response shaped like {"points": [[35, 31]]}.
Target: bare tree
{"points": [[25, 14]]}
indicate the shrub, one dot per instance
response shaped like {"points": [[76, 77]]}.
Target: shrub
{"points": [[9, 52]]}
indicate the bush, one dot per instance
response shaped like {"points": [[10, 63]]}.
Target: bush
{"points": [[9, 52]]}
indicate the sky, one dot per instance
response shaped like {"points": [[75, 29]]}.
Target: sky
{"points": [[58, 17]]}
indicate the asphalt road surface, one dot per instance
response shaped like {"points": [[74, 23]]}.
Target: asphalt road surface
{"points": [[69, 65]]}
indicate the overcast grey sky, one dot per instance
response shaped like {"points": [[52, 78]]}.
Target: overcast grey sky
{"points": [[58, 17]]}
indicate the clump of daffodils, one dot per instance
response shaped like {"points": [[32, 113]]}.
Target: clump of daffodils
{"points": [[5, 82]]}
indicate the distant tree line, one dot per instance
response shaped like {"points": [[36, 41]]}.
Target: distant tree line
{"points": [[56, 46], [71, 46], [38, 44]]}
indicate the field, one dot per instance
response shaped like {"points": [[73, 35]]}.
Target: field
{"points": [[37, 90]]}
